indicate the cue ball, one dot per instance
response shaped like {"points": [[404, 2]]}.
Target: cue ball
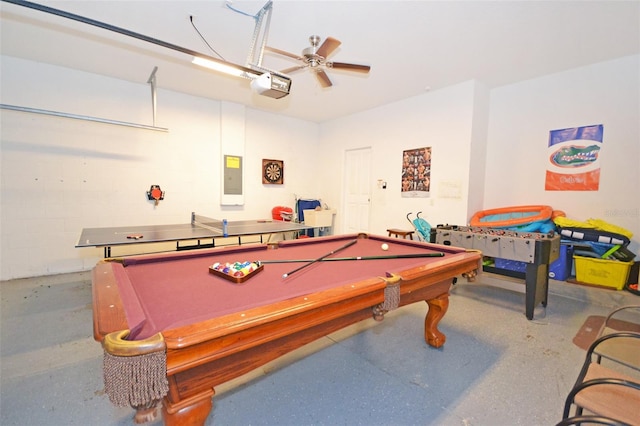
{"points": [[385, 247]]}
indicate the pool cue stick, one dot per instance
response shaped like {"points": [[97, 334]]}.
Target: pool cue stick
{"points": [[338, 259], [349, 244]]}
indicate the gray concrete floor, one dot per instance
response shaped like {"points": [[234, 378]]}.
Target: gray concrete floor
{"points": [[496, 368]]}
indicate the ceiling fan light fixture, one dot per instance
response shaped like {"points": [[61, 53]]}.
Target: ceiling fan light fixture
{"points": [[314, 57]]}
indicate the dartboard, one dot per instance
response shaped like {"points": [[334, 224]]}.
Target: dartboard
{"points": [[272, 172]]}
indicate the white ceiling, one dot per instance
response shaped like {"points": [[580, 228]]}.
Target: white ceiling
{"points": [[412, 46]]}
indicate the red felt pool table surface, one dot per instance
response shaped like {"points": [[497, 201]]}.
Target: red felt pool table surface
{"points": [[216, 329]]}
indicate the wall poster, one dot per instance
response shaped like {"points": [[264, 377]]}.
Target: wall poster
{"points": [[574, 159], [416, 173]]}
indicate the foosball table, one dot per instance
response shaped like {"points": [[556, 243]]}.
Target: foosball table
{"points": [[536, 250]]}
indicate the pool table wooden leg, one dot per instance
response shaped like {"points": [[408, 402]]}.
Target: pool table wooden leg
{"points": [[193, 411], [437, 308]]}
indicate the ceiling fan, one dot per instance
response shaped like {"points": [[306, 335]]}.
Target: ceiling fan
{"points": [[315, 58]]}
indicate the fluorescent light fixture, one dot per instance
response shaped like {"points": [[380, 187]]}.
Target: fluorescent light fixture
{"points": [[224, 67], [280, 84], [264, 82]]}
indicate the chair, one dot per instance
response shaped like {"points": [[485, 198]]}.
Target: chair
{"points": [[282, 213], [589, 420], [608, 391], [622, 350]]}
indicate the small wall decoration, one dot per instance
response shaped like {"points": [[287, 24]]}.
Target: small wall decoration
{"points": [[273, 172], [574, 159], [155, 193], [416, 172]]}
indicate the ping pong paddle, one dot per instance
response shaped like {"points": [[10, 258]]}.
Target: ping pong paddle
{"points": [[134, 236], [156, 193]]}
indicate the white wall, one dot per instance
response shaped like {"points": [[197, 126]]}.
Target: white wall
{"points": [[60, 175], [478, 154], [523, 114], [443, 120], [494, 145]]}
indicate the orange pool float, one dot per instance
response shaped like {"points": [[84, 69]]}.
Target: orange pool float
{"points": [[507, 217]]}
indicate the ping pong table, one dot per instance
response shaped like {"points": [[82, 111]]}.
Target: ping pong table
{"points": [[200, 228]]}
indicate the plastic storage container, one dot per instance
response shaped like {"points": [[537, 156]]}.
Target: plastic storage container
{"points": [[608, 273], [510, 265], [560, 269]]}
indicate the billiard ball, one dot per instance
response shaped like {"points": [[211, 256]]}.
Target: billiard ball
{"points": [[385, 246]]}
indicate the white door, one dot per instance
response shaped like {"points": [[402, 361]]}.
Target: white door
{"points": [[357, 190]]}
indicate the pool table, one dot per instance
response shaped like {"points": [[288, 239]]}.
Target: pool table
{"points": [[209, 329]]}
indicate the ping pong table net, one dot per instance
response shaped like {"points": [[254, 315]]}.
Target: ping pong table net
{"points": [[206, 222]]}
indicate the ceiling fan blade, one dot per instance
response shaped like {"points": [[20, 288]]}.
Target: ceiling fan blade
{"points": [[283, 53], [323, 78], [328, 46], [293, 69], [348, 67]]}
